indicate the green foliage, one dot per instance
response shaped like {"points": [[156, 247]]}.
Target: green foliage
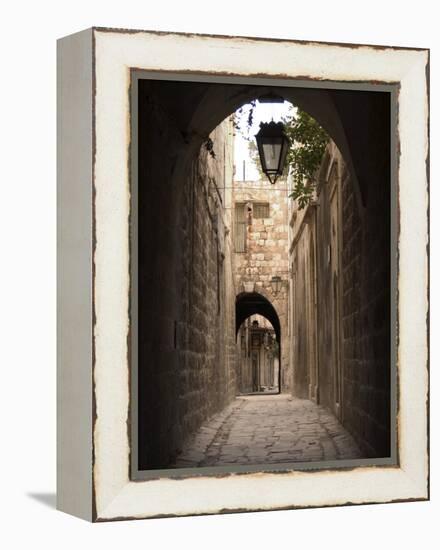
{"points": [[308, 142], [248, 110]]}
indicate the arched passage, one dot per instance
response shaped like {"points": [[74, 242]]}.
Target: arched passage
{"points": [[346, 116], [259, 355], [250, 303], [182, 271]]}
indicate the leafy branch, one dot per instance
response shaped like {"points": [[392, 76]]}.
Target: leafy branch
{"points": [[308, 142], [247, 109], [239, 123]]}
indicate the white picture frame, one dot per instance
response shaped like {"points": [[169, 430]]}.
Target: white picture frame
{"points": [[94, 76]]}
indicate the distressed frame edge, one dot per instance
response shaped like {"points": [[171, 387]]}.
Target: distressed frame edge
{"points": [[351, 45]]}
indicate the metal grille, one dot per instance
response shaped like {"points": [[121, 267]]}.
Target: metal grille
{"points": [[260, 210], [240, 227]]}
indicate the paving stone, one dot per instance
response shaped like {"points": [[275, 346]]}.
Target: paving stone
{"points": [[271, 429]]}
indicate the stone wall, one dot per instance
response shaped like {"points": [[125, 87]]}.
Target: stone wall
{"points": [[186, 297], [265, 253], [366, 317], [340, 259], [207, 345], [303, 318]]}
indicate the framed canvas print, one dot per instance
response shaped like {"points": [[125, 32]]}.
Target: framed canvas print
{"points": [[242, 274]]}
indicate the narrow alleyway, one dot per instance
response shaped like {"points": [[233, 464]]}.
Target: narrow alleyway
{"points": [[242, 290], [268, 430]]}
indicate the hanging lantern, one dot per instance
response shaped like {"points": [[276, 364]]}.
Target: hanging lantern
{"points": [[273, 145], [276, 284]]}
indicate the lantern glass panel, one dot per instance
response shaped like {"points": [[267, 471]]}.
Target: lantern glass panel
{"points": [[272, 154]]}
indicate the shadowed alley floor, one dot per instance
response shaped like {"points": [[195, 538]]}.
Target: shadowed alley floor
{"points": [[268, 430]]}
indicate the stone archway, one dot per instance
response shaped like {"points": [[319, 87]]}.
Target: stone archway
{"points": [[175, 120], [218, 101], [181, 115], [250, 303], [256, 303]]}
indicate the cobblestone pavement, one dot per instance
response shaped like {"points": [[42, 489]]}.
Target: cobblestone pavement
{"points": [[268, 430]]}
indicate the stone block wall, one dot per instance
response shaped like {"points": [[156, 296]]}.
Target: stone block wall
{"points": [[266, 254], [186, 305], [350, 242], [366, 320], [207, 346], [303, 318]]}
